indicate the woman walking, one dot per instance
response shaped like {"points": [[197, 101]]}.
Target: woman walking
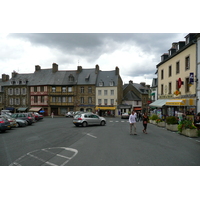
{"points": [[145, 121]]}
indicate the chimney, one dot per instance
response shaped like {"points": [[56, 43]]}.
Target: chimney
{"points": [[148, 86], [37, 68], [14, 74], [7, 77], [79, 69], [116, 70], [143, 84], [130, 82], [54, 67], [97, 69], [3, 77]]}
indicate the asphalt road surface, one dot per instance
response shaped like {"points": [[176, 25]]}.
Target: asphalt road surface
{"points": [[57, 142]]}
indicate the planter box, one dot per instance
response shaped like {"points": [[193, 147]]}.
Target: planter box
{"points": [[154, 122], [190, 132], [172, 127], [161, 124]]}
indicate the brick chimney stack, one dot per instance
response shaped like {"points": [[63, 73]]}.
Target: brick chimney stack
{"points": [[37, 68], [54, 67], [79, 69], [97, 69], [117, 71]]}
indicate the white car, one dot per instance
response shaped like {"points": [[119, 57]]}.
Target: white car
{"points": [[69, 114], [86, 119]]}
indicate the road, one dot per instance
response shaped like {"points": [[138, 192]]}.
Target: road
{"points": [[57, 142]]}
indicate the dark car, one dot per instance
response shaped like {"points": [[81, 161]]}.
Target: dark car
{"points": [[4, 124], [25, 116]]}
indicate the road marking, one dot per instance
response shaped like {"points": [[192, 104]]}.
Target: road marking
{"points": [[197, 140], [91, 135]]}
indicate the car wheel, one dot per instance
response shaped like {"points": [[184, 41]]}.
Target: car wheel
{"points": [[103, 123], [17, 125], [84, 124]]}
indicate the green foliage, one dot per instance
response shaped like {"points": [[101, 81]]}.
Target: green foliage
{"points": [[154, 117], [172, 120], [159, 120], [186, 124]]}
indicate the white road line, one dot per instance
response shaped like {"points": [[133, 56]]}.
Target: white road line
{"points": [[92, 135], [197, 140]]}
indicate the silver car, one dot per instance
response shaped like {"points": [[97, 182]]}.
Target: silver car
{"points": [[86, 119]]}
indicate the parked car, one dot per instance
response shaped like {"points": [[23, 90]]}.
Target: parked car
{"points": [[4, 124], [25, 116], [38, 116], [21, 122], [69, 114], [12, 120], [86, 119], [125, 116]]}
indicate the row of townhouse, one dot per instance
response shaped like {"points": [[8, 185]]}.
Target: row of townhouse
{"points": [[176, 90], [51, 90]]}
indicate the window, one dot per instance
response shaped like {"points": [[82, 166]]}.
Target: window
{"points": [[71, 78], [70, 99], [105, 92], [17, 101], [187, 63], [99, 92], [82, 90], [112, 101], [170, 88], [177, 67], [69, 89], [53, 89], [112, 92], [64, 89], [82, 99], [42, 99], [162, 89], [0, 99], [162, 74], [170, 71], [99, 101], [101, 83], [41, 88], [17, 91], [35, 89], [105, 101], [23, 91], [11, 101], [187, 87], [90, 100], [53, 99], [35, 99], [59, 99], [111, 83], [63, 99], [10, 91], [90, 90]]}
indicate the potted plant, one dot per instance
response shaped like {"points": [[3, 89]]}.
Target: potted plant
{"points": [[160, 122], [154, 118], [172, 123], [187, 128]]}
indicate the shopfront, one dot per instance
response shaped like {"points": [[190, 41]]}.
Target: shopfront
{"points": [[105, 110]]}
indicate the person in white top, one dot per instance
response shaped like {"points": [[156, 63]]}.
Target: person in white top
{"points": [[132, 121]]}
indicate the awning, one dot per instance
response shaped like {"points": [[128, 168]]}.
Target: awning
{"points": [[10, 108], [34, 109], [105, 108], [176, 102], [152, 94], [159, 103], [22, 109], [137, 108]]}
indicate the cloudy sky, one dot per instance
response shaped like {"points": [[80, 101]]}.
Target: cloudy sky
{"points": [[136, 54]]}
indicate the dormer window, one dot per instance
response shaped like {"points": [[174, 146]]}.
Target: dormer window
{"points": [[71, 78], [101, 83], [87, 77], [111, 83]]}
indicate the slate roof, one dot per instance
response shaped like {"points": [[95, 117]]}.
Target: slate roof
{"points": [[87, 77], [131, 96], [107, 77]]}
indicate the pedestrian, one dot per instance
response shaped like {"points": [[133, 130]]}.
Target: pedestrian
{"points": [[52, 114], [145, 121], [132, 121]]}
